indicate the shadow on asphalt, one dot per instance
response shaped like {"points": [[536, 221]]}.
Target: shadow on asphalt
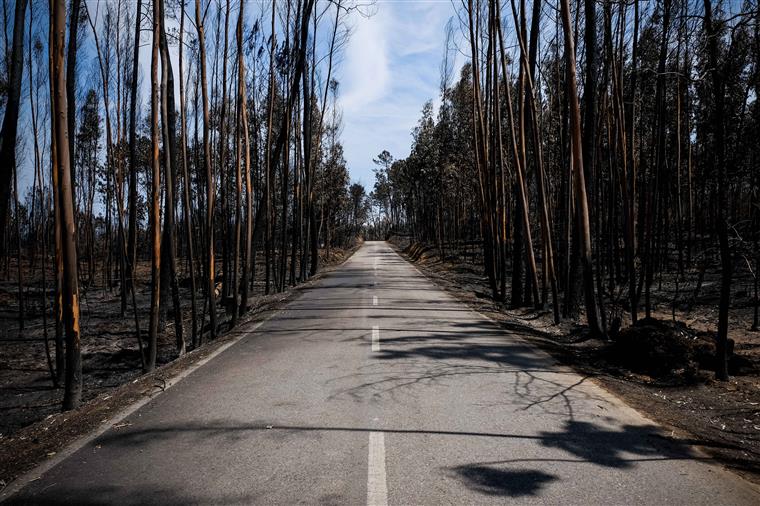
{"points": [[583, 442], [87, 495], [588, 442], [580, 442], [503, 482]]}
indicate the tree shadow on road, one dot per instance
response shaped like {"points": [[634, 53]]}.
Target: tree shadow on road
{"points": [[612, 448], [503, 482], [582, 442], [579, 443], [86, 494], [411, 361]]}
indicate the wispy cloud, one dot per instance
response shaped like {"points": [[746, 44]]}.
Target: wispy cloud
{"points": [[391, 68], [366, 72]]}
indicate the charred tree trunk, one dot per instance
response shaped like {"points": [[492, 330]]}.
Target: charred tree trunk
{"points": [[187, 206], [69, 303], [717, 155], [132, 198], [168, 129], [243, 105], [10, 119], [210, 193], [155, 216], [584, 226]]}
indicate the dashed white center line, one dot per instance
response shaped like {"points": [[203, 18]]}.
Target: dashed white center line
{"points": [[375, 338], [374, 300], [377, 490]]}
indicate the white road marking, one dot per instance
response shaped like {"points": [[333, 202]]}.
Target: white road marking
{"points": [[375, 338], [374, 300], [377, 490]]}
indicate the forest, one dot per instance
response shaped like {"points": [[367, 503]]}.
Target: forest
{"points": [[597, 160], [554, 290], [170, 168], [182, 162]]}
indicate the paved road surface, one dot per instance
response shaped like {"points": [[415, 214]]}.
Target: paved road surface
{"points": [[376, 387]]}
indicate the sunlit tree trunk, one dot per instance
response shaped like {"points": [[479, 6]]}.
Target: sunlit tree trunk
{"points": [[69, 303]]}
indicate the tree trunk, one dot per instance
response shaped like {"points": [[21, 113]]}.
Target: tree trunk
{"points": [[210, 274], [10, 119], [155, 216], [222, 164], [582, 212], [69, 304], [132, 225], [168, 122], [247, 256], [71, 83], [717, 155], [187, 214]]}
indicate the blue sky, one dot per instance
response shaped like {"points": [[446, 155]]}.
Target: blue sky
{"points": [[390, 67]]}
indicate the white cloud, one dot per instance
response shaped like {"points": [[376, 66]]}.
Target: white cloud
{"points": [[366, 73], [391, 69]]}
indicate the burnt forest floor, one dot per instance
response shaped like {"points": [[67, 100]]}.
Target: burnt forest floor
{"points": [[32, 426], [663, 366]]}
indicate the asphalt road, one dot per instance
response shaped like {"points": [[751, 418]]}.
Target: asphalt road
{"points": [[376, 387]]}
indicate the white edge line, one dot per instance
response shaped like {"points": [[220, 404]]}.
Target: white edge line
{"points": [[37, 472]]}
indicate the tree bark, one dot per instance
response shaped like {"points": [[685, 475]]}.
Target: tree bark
{"points": [[69, 304], [247, 256], [717, 155], [168, 129], [210, 193], [582, 211], [10, 119], [71, 69], [132, 225], [187, 207], [155, 216]]}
